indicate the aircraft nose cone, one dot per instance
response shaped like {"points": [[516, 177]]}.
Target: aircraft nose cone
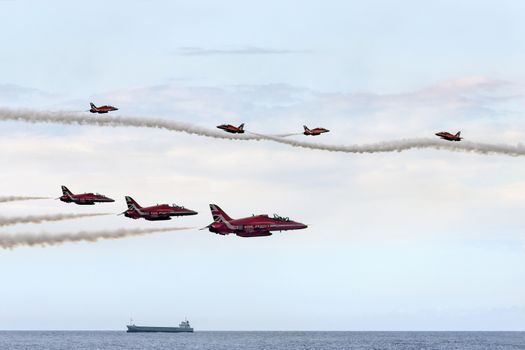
{"points": [[192, 212]]}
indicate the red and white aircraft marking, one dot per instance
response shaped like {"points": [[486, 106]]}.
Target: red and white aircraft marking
{"points": [[232, 129], [253, 226], [101, 109], [314, 132], [154, 213], [449, 137], [84, 198]]}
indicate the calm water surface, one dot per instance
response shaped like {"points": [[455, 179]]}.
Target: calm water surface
{"points": [[113, 340]]}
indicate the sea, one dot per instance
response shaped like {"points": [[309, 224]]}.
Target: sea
{"points": [[120, 340]]}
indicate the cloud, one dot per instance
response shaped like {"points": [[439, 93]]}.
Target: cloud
{"points": [[385, 146], [12, 91], [245, 50], [194, 171], [19, 96], [478, 106]]}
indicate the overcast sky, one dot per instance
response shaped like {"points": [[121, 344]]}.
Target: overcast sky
{"points": [[418, 240]]}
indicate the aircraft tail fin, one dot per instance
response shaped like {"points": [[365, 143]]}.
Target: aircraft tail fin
{"points": [[458, 134], [218, 214], [132, 204], [66, 191], [306, 128], [241, 127], [92, 105]]}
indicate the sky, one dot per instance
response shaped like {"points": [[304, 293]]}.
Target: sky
{"points": [[415, 240]]}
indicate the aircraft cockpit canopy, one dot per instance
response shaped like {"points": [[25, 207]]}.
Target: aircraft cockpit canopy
{"points": [[280, 218]]}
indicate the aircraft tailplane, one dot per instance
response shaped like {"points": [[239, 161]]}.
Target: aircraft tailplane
{"points": [[66, 191], [218, 214], [131, 203]]}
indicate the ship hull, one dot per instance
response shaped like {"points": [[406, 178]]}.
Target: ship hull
{"points": [[144, 329]]}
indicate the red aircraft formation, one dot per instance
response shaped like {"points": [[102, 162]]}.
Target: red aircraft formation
{"points": [[232, 129], [253, 226], [101, 109], [84, 198], [450, 137], [154, 213], [318, 131], [240, 129]]}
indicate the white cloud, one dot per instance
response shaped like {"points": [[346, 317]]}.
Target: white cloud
{"points": [[243, 50], [476, 105], [126, 161]]}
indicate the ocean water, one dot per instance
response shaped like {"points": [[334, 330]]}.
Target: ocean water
{"points": [[113, 340]]}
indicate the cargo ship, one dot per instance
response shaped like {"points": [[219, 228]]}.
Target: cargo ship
{"points": [[184, 327]]}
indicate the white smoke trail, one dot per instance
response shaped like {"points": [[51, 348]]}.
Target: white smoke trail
{"points": [[388, 146], [10, 241], [407, 144], [38, 219], [279, 135], [69, 118], [19, 198]]}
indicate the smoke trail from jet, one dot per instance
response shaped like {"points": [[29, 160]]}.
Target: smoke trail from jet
{"points": [[407, 144], [66, 118], [279, 135], [11, 241], [19, 198], [38, 219]]}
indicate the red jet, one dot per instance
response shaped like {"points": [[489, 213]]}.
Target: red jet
{"points": [[154, 213], [232, 129], [102, 109], [253, 226], [449, 137], [83, 199], [314, 132]]}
